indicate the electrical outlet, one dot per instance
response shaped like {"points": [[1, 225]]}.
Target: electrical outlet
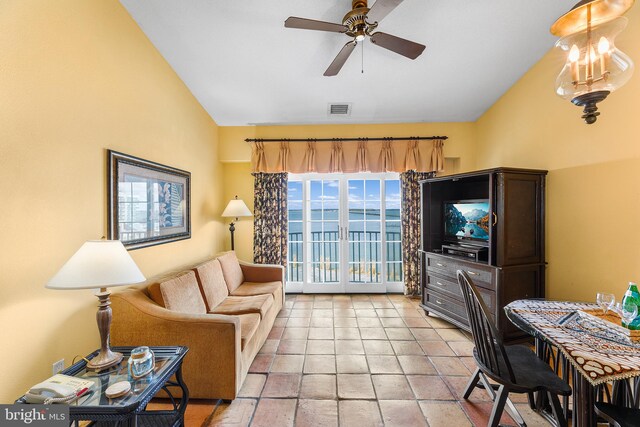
{"points": [[58, 366]]}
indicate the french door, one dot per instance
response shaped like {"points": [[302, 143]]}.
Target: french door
{"points": [[344, 233]]}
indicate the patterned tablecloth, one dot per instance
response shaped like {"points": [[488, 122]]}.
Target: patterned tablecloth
{"points": [[600, 357]]}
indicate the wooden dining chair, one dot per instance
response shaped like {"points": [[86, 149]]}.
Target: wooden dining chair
{"points": [[618, 416], [515, 369]]}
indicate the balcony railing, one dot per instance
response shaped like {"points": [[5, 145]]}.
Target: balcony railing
{"points": [[325, 265]]}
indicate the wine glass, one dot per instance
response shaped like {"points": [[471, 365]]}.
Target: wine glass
{"points": [[606, 301], [628, 312]]}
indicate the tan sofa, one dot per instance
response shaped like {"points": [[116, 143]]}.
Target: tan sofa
{"points": [[221, 309]]}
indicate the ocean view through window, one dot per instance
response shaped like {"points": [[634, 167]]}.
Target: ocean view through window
{"points": [[344, 233]]}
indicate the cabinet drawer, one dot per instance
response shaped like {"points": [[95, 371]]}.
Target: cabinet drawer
{"points": [[444, 267], [447, 267], [440, 302], [478, 275], [444, 285]]}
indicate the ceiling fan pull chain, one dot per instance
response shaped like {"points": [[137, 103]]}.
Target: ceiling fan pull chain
{"points": [[362, 62]]}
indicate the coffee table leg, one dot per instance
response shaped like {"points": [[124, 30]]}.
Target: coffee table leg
{"points": [[184, 400], [584, 398]]}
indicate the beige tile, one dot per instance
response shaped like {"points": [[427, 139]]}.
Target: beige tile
{"points": [[322, 304], [369, 322], [399, 334], [274, 412], [320, 333], [365, 312], [284, 313], [377, 347], [292, 347], [425, 334], [275, 333], [321, 322], [436, 348], [349, 347], [439, 323], [401, 413], [406, 347], [298, 322], [347, 334], [429, 387], [321, 347], [318, 387], [351, 364], [320, 364], [236, 413], [280, 322], [387, 312], [295, 333], [287, 363], [449, 366], [361, 304], [459, 384], [470, 363], [416, 322], [355, 386], [382, 303], [341, 305], [303, 304], [444, 414], [452, 335], [531, 418], [393, 322], [383, 364], [392, 387], [261, 363], [345, 322], [409, 312], [300, 313], [372, 333], [360, 413], [282, 385], [324, 312], [252, 386], [270, 346], [462, 348], [412, 364], [313, 413], [344, 312]]}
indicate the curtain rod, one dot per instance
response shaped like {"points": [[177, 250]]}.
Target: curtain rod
{"points": [[388, 138]]}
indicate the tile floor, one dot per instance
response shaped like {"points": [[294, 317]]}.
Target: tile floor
{"points": [[358, 360]]}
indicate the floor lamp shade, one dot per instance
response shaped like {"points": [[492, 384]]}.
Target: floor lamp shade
{"points": [[99, 264], [235, 209]]}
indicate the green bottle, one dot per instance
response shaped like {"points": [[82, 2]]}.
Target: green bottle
{"points": [[633, 295]]}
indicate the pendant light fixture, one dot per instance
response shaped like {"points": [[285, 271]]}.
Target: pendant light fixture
{"points": [[594, 67]]}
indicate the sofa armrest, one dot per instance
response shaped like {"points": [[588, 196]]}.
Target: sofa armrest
{"points": [[212, 367], [262, 272]]}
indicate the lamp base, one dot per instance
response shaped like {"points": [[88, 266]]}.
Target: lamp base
{"points": [[589, 101], [106, 358]]}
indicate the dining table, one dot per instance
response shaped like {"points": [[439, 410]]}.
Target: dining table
{"points": [[599, 356]]}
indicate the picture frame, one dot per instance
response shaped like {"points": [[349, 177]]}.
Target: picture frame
{"points": [[148, 203]]}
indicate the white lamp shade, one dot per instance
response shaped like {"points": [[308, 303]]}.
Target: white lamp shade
{"points": [[236, 208], [97, 264]]}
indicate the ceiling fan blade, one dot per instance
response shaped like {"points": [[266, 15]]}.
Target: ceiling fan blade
{"points": [[398, 45], [310, 24], [342, 57], [380, 9]]}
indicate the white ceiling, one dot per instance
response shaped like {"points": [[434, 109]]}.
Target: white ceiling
{"points": [[246, 68]]}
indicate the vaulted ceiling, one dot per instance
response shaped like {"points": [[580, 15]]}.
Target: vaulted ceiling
{"points": [[245, 67]]}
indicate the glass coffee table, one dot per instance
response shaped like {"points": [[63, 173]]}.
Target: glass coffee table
{"points": [[130, 409]]}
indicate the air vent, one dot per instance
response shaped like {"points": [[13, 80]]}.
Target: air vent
{"points": [[339, 109]]}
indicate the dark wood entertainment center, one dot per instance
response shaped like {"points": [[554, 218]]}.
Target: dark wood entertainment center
{"points": [[514, 265]]}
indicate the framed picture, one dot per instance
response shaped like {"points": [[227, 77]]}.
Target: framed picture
{"points": [[148, 203]]}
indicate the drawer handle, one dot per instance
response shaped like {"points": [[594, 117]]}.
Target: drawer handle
{"points": [[495, 218], [439, 284], [473, 273], [440, 265], [438, 302]]}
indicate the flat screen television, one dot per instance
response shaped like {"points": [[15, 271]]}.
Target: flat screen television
{"points": [[467, 221]]}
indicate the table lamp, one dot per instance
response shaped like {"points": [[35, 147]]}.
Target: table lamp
{"points": [[99, 264], [236, 208]]}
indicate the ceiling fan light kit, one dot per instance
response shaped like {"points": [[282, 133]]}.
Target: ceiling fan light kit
{"points": [[594, 67], [358, 24]]}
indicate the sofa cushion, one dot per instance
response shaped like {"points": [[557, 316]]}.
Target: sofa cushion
{"points": [[242, 305], [231, 270], [180, 293], [257, 288], [248, 326], [211, 281]]}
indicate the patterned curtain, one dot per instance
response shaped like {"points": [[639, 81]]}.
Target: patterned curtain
{"points": [[411, 229], [270, 218]]}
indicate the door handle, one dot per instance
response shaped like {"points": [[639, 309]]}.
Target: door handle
{"points": [[495, 218]]}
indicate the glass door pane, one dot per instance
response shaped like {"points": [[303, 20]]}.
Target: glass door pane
{"points": [[323, 204], [364, 237], [392, 197], [295, 254]]}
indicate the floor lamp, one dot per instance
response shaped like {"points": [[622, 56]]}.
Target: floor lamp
{"points": [[235, 209]]}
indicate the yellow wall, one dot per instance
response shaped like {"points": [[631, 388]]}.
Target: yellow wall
{"points": [[594, 173], [78, 77], [236, 155]]}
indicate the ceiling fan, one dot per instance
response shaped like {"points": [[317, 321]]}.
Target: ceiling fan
{"points": [[359, 23]]}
